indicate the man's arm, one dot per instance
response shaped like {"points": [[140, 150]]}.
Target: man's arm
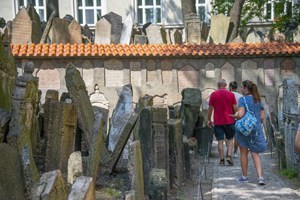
{"points": [[209, 113]]}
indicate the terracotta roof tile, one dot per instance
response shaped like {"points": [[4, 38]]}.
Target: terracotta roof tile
{"points": [[163, 50]]}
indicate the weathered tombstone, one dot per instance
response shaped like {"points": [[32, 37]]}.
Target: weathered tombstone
{"points": [[296, 34], [11, 179], [158, 184], [36, 24], [154, 34], [51, 186], [22, 28], [77, 91], [238, 39], [74, 166], [116, 26], [140, 39], [193, 28], [5, 117], [176, 153], [61, 138], [22, 126], [83, 189], [219, 28], [103, 32], [136, 169], [75, 32], [253, 37], [120, 116], [127, 30], [290, 103], [191, 101], [177, 37], [59, 32], [51, 96]]}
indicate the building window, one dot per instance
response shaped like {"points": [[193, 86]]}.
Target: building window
{"points": [[89, 11], [149, 11], [202, 9], [276, 9], [39, 5]]}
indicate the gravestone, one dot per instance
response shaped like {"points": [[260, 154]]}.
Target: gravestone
{"points": [[177, 37], [103, 31], [136, 169], [238, 39], [193, 28], [252, 37], [190, 109], [83, 189], [154, 34], [290, 100], [121, 114], [51, 96], [5, 117], [61, 138], [22, 28], [75, 32], [116, 26], [158, 184], [77, 91], [36, 24], [50, 186], [140, 39], [127, 30], [296, 34], [219, 28], [11, 179], [74, 167], [59, 32], [23, 124]]}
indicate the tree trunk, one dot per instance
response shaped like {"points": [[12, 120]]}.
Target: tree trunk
{"points": [[188, 7], [235, 16]]}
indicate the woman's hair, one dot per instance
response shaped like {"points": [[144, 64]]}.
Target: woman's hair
{"points": [[233, 85], [252, 88]]}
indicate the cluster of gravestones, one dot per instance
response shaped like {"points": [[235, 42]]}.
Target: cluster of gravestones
{"points": [[27, 28], [65, 140]]}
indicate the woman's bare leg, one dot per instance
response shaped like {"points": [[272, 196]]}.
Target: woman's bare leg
{"points": [[257, 163], [244, 160]]}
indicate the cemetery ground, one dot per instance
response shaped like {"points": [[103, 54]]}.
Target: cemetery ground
{"points": [[280, 184]]}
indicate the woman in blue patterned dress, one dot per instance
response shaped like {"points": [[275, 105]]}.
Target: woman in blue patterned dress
{"points": [[255, 143]]}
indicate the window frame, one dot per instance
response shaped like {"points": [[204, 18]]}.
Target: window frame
{"points": [[37, 8], [272, 3], [84, 8], [206, 6], [154, 7]]}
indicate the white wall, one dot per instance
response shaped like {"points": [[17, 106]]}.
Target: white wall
{"points": [[7, 9]]}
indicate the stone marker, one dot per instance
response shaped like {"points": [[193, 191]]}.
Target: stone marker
{"points": [[59, 32], [154, 34], [116, 26], [103, 32], [21, 28], [296, 34], [83, 189], [290, 103], [127, 30], [51, 96], [219, 28], [51, 186], [193, 28], [75, 32], [140, 39], [36, 24], [77, 91], [11, 178], [253, 37], [158, 184], [74, 166], [121, 115]]}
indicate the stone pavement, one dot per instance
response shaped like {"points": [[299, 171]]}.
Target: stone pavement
{"points": [[226, 186]]}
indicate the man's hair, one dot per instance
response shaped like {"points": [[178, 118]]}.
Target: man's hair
{"points": [[233, 85], [222, 82]]}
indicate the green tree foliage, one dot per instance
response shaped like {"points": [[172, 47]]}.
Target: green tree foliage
{"points": [[256, 9]]}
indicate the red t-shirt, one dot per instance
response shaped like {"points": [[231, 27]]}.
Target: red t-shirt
{"points": [[222, 101]]}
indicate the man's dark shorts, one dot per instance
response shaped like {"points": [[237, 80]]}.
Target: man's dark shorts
{"points": [[227, 130]]}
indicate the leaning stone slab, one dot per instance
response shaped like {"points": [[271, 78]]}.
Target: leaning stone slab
{"points": [[74, 166], [116, 26], [127, 30], [219, 28], [290, 100], [103, 32], [50, 187], [79, 95], [83, 189], [125, 133], [11, 178]]}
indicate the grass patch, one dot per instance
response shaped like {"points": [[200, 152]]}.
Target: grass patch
{"points": [[289, 173], [112, 192]]}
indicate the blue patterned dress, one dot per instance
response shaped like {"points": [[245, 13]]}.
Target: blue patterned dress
{"points": [[256, 141]]}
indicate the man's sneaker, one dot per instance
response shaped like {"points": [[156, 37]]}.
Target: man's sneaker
{"points": [[235, 155], [229, 160], [261, 181], [243, 179], [222, 162]]}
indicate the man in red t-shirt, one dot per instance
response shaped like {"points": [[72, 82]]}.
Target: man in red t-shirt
{"points": [[224, 105]]}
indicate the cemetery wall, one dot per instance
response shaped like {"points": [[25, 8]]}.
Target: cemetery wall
{"points": [[165, 77]]}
